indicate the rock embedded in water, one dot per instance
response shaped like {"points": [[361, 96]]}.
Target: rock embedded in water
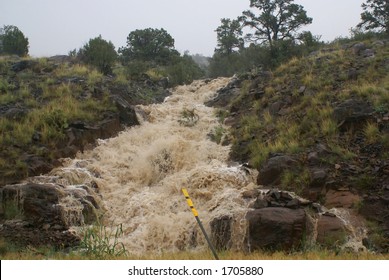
{"points": [[42, 214], [221, 232]]}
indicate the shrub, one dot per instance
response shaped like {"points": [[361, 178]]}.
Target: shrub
{"points": [[99, 53]]}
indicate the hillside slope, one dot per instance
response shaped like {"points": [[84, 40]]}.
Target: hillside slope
{"points": [[319, 126], [54, 107]]}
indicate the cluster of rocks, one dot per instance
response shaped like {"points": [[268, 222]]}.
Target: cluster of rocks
{"points": [[42, 211], [80, 134], [43, 214], [358, 186], [280, 220]]}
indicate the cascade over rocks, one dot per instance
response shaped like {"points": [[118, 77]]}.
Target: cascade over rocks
{"points": [[134, 180], [341, 121], [331, 231], [43, 214], [39, 156]]}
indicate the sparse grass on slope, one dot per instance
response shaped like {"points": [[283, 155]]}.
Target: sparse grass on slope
{"points": [[308, 89], [38, 104], [293, 112]]}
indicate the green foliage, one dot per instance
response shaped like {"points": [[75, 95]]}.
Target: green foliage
{"points": [[100, 243], [188, 117], [277, 20], [48, 105], [221, 115], [217, 134], [295, 181], [371, 132], [13, 41], [99, 53], [375, 16], [222, 65], [229, 36], [152, 45], [11, 210], [183, 70]]}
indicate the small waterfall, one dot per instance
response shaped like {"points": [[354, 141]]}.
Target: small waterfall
{"points": [[355, 228], [135, 179], [140, 174]]}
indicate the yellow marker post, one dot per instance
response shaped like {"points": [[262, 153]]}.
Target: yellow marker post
{"points": [[196, 214]]}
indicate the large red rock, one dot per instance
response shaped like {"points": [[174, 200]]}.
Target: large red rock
{"points": [[276, 228], [331, 231]]}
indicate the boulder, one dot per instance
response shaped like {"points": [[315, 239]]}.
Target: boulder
{"points": [[351, 113], [318, 177], [221, 233], [16, 114], [341, 199], [276, 228], [368, 53], [42, 214], [37, 164], [21, 65], [225, 95], [275, 108], [272, 170], [126, 111], [79, 133], [358, 48], [164, 82], [331, 231], [376, 208], [36, 203], [23, 234]]}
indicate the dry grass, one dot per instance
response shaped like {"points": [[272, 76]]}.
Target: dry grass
{"points": [[45, 254]]}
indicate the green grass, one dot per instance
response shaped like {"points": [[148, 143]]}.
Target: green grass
{"points": [[308, 117], [50, 104], [12, 252], [98, 242]]}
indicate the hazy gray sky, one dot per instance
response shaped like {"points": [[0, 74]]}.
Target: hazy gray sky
{"points": [[58, 26]]}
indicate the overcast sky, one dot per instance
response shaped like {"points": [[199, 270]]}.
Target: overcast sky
{"points": [[58, 26]]}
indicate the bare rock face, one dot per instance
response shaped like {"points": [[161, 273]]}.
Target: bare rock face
{"points": [[352, 113], [276, 228], [42, 214], [273, 169], [341, 199], [330, 231]]}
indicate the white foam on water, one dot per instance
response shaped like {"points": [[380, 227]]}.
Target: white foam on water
{"points": [[140, 174]]}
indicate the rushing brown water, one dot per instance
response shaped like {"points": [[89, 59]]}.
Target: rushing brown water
{"points": [[140, 174]]}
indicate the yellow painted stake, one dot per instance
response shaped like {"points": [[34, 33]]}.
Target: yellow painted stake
{"points": [[196, 214]]}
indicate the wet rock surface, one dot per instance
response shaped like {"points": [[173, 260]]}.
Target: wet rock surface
{"points": [[43, 214], [354, 177], [276, 228]]}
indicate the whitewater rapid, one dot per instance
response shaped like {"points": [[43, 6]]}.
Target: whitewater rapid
{"points": [[140, 174]]}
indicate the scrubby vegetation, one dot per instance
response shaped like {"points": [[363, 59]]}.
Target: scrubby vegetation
{"points": [[39, 103], [324, 105], [329, 111], [12, 252], [296, 105]]}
